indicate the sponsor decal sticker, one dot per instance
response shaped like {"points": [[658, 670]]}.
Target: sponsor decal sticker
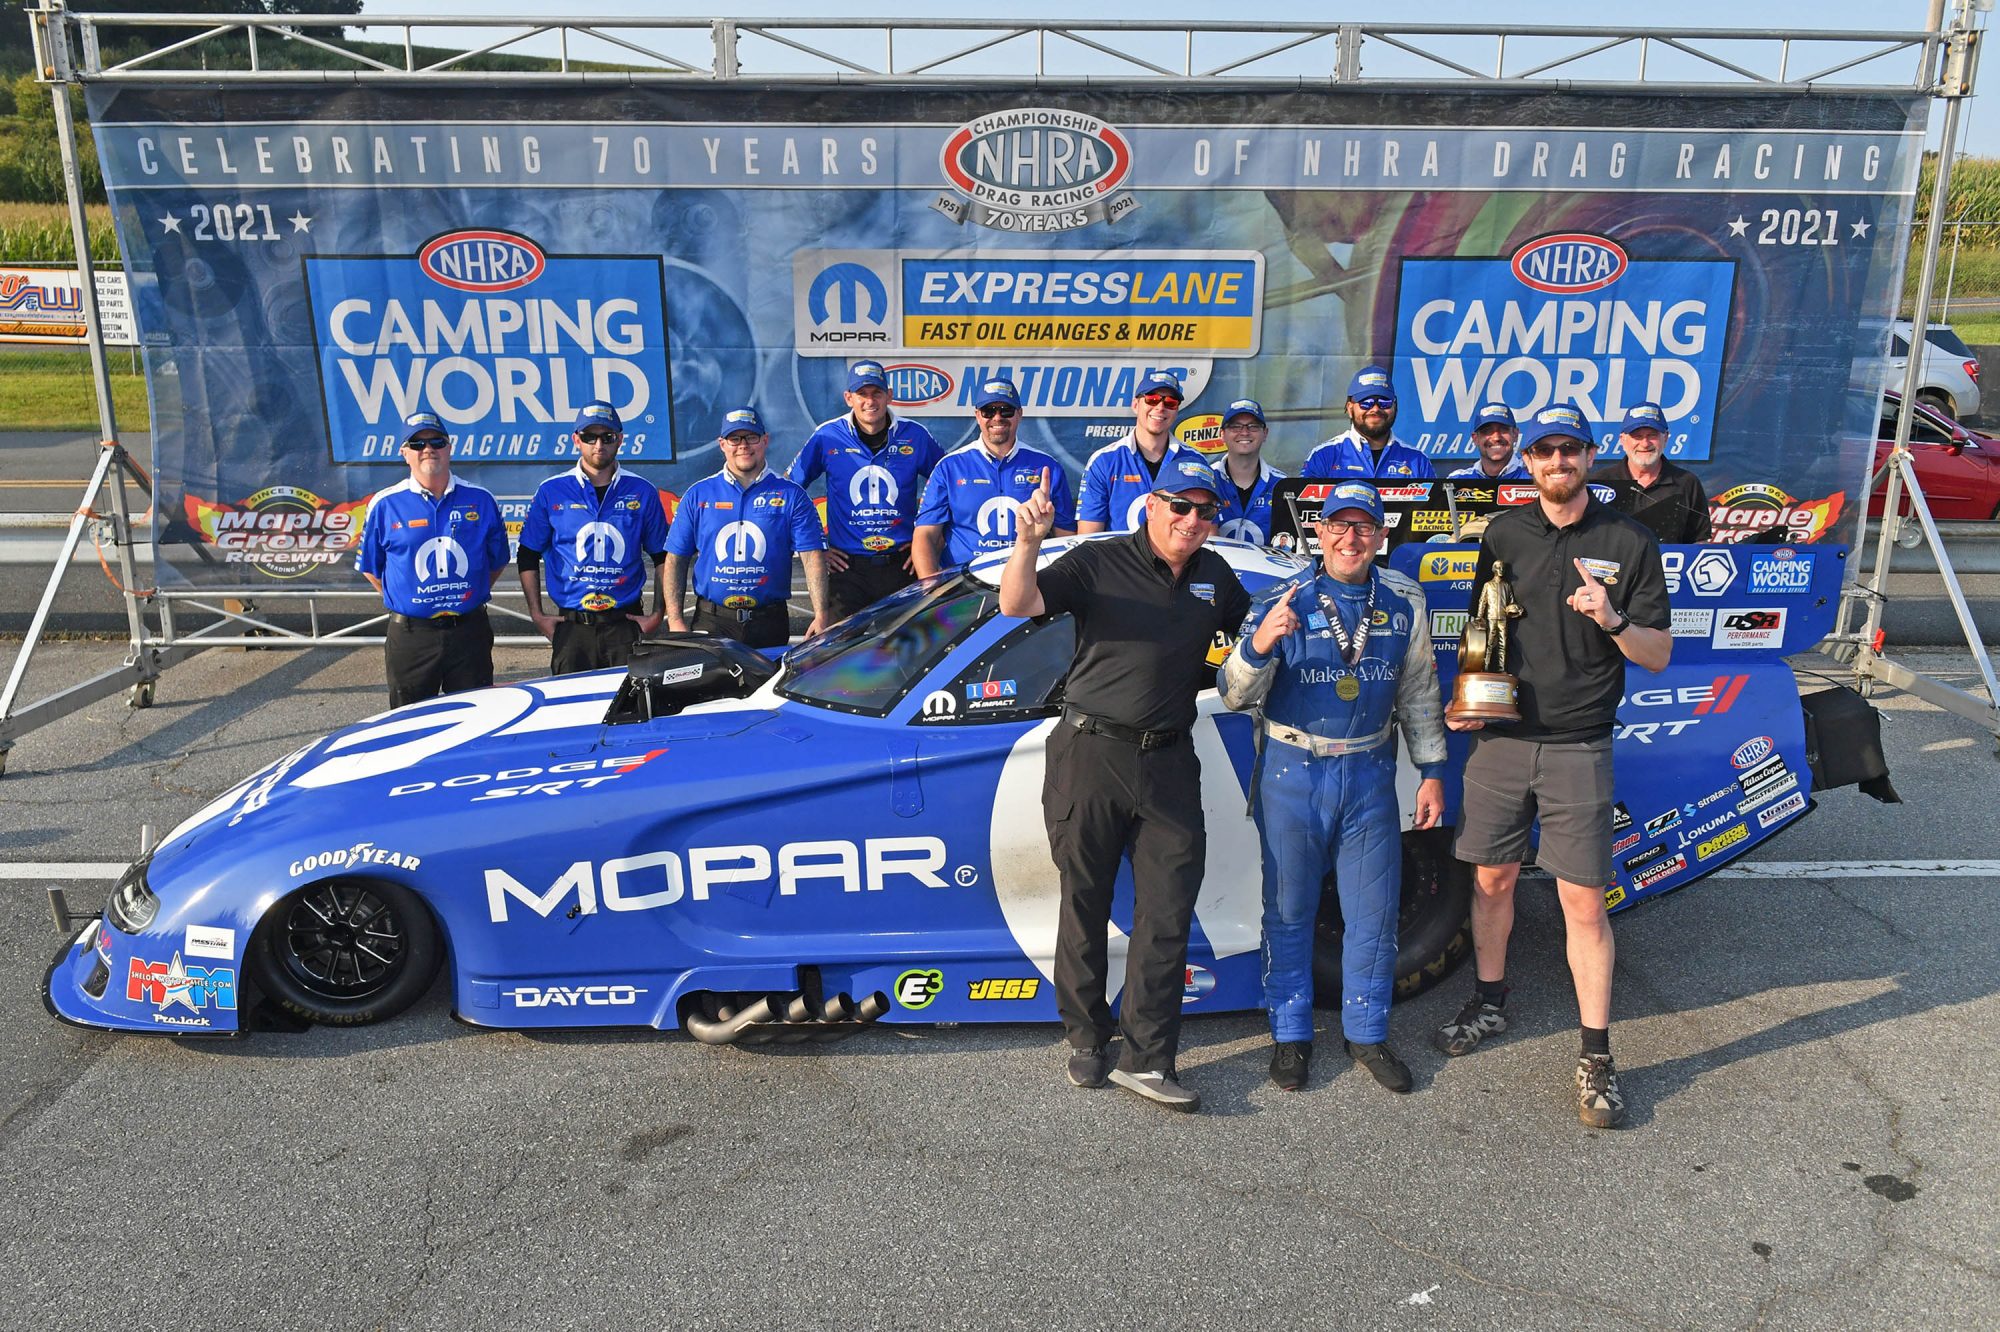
{"points": [[1657, 825], [210, 941], [572, 996], [1645, 857], [1621, 817], [1693, 622], [1200, 981], [1708, 574], [171, 985], [1746, 627], [1011, 987], [1752, 752], [1784, 809], [361, 853], [1659, 873], [1721, 842], [1783, 570], [917, 988], [992, 689], [1625, 843], [1448, 566], [1447, 624], [1613, 896]]}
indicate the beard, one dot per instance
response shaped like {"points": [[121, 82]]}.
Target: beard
{"points": [[1560, 489]]}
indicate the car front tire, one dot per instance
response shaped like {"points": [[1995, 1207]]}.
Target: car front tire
{"points": [[346, 952]]}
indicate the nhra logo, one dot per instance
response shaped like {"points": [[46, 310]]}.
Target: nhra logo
{"points": [[912, 384], [1569, 264], [1036, 169], [482, 260]]}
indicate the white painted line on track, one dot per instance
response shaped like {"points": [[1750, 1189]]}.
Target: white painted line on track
{"points": [[62, 871]]}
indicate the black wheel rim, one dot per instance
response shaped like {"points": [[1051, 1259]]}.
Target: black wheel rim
{"points": [[342, 941]]}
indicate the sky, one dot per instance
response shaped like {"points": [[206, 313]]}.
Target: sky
{"points": [[1979, 135]]}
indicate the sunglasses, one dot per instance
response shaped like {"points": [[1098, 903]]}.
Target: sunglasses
{"points": [[1183, 507], [1370, 404], [1160, 400], [1003, 412], [1340, 527], [597, 436], [422, 442], [1543, 450]]}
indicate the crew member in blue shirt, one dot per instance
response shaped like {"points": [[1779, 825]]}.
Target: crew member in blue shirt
{"points": [[1247, 479], [875, 464], [1369, 446], [433, 546], [740, 528], [1119, 476], [1494, 434], [1334, 659], [596, 528], [970, 501]]}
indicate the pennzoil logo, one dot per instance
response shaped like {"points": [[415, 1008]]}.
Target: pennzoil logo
{"points": [[1036, 169], [1201, 433], [281, 531]]}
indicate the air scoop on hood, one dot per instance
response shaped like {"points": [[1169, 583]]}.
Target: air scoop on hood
{"points": [[676, 672]]}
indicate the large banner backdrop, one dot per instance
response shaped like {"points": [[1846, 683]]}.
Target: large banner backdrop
{"points": [[308, 266]]}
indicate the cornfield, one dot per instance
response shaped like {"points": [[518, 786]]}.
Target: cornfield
{"points": [[32, 231], [1973, 204]]}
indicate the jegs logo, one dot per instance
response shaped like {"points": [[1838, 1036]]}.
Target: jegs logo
{"points": [[281, 531], [1036, 169]]}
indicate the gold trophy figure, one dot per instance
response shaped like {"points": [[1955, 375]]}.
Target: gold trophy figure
{"points": [[1484, 691]]}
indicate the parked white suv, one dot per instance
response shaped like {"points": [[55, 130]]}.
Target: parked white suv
{"points": [[1949, 378]]}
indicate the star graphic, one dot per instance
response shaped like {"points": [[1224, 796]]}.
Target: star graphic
{"points": [[1860, 229], [300, 222], [171, 222], [1739, 226], [180, 990]]}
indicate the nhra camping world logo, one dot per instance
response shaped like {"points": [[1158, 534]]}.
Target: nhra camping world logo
{"points": [[502, 340], [281, 531], [1568, 317], [1036, 169]]}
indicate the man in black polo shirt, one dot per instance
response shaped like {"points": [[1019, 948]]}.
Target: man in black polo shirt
{"points": [[1593, 597], [1666, 498], [1122, 770]]}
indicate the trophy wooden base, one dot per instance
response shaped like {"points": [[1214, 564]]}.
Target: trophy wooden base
{"points": [[1485, 696]]}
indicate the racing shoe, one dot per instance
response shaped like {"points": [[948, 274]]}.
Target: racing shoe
{"points": [[1159, 1088], [1599, 1103], [1474, 1023], [1088, 1067], [1381, 1061], [1288, 1064]]}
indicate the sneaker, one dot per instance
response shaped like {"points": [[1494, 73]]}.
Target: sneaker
{"points": [[1159, 1087], [1474, 1023], [1599, 1103], [1288, 1064], [1380, 1060], [1088, 1067]]}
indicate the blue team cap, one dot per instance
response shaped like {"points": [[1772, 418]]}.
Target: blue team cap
{"points": [[867, 374], [1372, 382], [1160, 382], [996, 390], [1560, 419], [1493, 413], [416, 423], [1243, 407], [600, 414], [1352, 495], [1646, 415], [1182, 474], [740, 420]]}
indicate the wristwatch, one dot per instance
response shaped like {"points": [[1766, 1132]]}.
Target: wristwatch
{"points": [[1624, 623]]}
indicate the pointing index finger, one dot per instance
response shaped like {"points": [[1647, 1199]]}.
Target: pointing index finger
{"points": [[1045, 478], [1588, 578]]}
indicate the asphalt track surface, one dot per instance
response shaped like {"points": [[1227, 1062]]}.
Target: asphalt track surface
{"points": [[1811, 1063]]}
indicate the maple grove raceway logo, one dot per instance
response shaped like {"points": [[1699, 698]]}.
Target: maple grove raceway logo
{"points": [[1036, 169], [281, 531]]}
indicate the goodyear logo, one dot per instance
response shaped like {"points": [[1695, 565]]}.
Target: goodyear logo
{"points": [[482, 260], [1447, 566], [1012, 987], [1722, 841]]}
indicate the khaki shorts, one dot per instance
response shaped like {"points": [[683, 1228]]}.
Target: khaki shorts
{"points": [[1511, 783]]}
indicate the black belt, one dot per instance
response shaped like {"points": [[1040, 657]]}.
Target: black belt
{"points": [[896, 556], [446, 620], [614, 616], [1131, 735], [742, 615]]}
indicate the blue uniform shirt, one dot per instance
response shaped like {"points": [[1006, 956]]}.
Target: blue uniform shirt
{"points": [[1247, 522], [743, 538], [972, 495], [871, 496], [1117, 480], [1516, 470], [1348, 454], [434, 555], [594, 552]]}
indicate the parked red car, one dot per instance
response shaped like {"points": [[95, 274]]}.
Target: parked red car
{"points": [[1958, 467]]}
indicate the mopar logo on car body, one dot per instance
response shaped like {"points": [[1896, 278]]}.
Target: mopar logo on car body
{"points": [[656, 878]]}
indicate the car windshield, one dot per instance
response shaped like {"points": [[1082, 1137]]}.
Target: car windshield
{"points": [[867, 663]]}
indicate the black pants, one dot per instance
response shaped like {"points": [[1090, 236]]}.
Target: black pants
{"points": [[426, 658], [1103, 798], [866, 580], [592, 647], [769, 625]]}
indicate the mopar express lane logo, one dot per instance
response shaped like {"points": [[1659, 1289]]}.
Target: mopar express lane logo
{"points": [[502, 340], [281, 531], [1571, 318], [1036, 169]]}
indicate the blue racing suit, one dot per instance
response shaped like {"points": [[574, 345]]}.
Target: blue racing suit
{"points": [[1326, 797]]}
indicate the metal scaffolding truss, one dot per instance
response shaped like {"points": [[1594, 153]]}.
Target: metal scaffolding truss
{"points": [[206, 47]]}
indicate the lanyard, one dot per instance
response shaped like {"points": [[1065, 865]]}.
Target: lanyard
{"points": [[1350, 650]]}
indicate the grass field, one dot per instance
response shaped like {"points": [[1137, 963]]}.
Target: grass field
{"points": [[50, 390]]}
